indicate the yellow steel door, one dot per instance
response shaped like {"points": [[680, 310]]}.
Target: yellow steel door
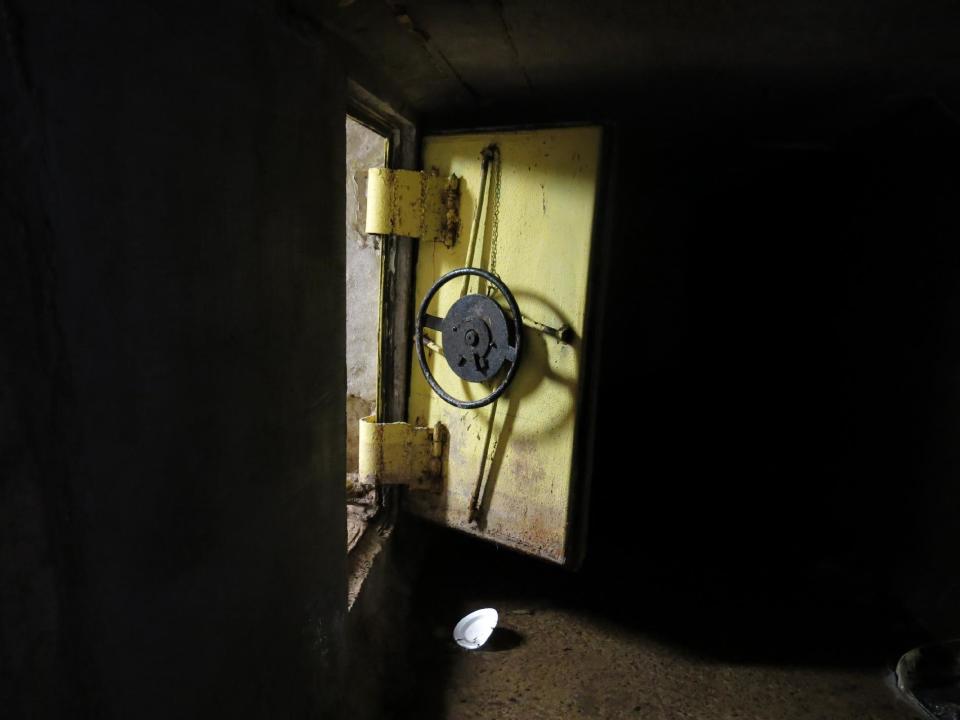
{"points": [[509, 467]]}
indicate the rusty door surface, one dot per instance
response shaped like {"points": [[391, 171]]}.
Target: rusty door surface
{"points": [[508, 467]]}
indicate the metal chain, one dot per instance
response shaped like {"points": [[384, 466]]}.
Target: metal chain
{"points": [[495, 230]]}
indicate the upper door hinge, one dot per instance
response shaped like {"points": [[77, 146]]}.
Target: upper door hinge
{"points": [[413, 203]]}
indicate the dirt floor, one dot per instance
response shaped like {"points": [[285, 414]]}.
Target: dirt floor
{"points": [[618, 641]]}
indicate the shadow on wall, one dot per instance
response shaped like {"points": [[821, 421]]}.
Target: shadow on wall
{"points": [[790, 384]]}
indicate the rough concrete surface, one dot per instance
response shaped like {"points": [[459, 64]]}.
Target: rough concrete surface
{"points": [[569, 665], [171, 363], [365, 149], [661, 647]]}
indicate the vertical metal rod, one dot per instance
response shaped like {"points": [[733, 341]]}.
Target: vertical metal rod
{"points": [[488, 154], [486, 460]]}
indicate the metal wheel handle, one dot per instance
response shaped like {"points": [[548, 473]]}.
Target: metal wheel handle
{"points": [[476, 337]]}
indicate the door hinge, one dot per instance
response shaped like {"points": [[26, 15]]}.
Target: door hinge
{"points": [[413, 203], [401, 454]]}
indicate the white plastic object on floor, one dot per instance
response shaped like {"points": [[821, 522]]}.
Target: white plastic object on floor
{"points": [[475, 629]]}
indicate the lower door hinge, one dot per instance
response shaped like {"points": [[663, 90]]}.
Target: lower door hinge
{"points": [[401, 454]]}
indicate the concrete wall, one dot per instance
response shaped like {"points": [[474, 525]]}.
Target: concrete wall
{"points": [[171, 362], [365, 149]]}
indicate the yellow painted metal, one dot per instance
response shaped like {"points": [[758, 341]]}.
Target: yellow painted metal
{"points": [[400, 454], [547, 195], [411, 203]]}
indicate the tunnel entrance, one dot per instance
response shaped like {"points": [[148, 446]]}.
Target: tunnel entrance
{"points": [[365, 148]]}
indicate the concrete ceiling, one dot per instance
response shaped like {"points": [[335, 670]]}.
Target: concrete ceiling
{"points": [[448, 57]]}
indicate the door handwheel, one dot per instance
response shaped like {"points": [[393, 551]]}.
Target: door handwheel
{"points": [[478, 339]]}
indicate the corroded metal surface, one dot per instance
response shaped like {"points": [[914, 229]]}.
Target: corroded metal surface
{"points": [[413, 204]]}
